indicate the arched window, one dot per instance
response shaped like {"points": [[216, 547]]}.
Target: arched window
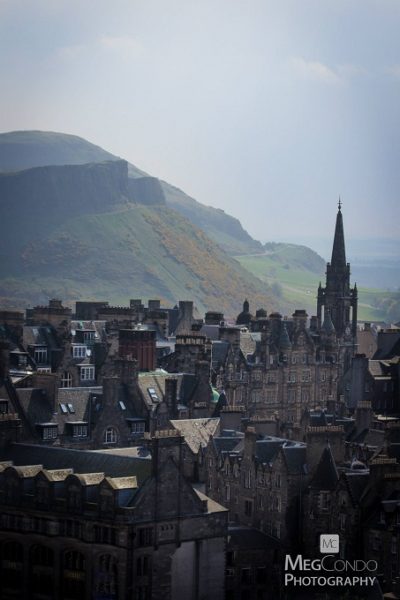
{"points": [[74, 575], [66, 380], [110, 436], [11, 577], [42, 571], [106, 577]]}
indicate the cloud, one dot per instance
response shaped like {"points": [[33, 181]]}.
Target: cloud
{"points": [[124, 44], [393, 71], [315, 71]]}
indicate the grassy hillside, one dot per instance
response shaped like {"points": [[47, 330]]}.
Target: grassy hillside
{"points": [[134, 251], [26, 149], [294, 272], [73, 231]]}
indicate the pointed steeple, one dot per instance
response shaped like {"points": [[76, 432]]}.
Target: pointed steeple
{"points": [[338, 251]]}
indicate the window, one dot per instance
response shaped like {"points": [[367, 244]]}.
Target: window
{"points": [[110, 436], [50, 433], [304, 359], [394, 545], [74, 577], [79, 431], [323, 375], [278, 480], [71, 408], [247, 480], [74, 497], [153, 394], [146, 536], [122, 405], [106, 580], [270, 397], [294, 359], [66, 380], [142, 565], [88, 336], [3, 407], [64, 409], [248, 508], [292, 377], [306, 376], [87, 373], [138, 427], [79, 351], [324, 500], [41, 356], [261, 575], [271, 378], [12, 564], [227, 492]]}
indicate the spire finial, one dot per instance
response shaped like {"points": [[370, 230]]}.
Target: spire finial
{"points": [[340, 204]]}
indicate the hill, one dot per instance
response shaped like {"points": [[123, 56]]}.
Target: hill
{"points": [[26, 149], [83, 232]]}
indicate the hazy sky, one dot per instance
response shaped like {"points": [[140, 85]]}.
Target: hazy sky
{"points": [[267, 109]]}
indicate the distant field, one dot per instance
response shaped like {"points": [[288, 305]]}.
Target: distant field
{"points": [[298, 284]]}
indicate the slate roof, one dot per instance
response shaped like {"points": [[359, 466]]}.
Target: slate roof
{"points": [[295, 458], [326, 475], [43, 335], [226, 443], [267, 450], [197, 432], [82, 461], [219, 352], [356, 484], [39, 409]]}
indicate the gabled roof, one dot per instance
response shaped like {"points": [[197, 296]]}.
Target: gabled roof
{"points": [[197, 432], [82, 461], [326, 475], [356, 484]]}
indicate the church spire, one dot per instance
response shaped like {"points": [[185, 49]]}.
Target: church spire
{"points": [[338, 252]]}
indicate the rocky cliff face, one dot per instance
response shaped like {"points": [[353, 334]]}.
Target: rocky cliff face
{"points": [[59, 191]]}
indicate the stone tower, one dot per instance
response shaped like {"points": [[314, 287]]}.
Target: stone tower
{"points": [[337, 298]]}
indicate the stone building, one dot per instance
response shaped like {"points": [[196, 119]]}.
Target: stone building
{"points": [[111, 527]]}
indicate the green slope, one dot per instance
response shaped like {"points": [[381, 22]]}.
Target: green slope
{"points": [[130, 252], [294, 272], [26, 149], [74, 231]]}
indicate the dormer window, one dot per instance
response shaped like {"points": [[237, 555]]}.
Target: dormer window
{"points": [[49, 432], [66, 380], [79, 430], [40, 356], [110, 436], [137, 427], [78, 351], [87, 373]]}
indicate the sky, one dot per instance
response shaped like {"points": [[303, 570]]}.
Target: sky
{"points": [[268, 109]]}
